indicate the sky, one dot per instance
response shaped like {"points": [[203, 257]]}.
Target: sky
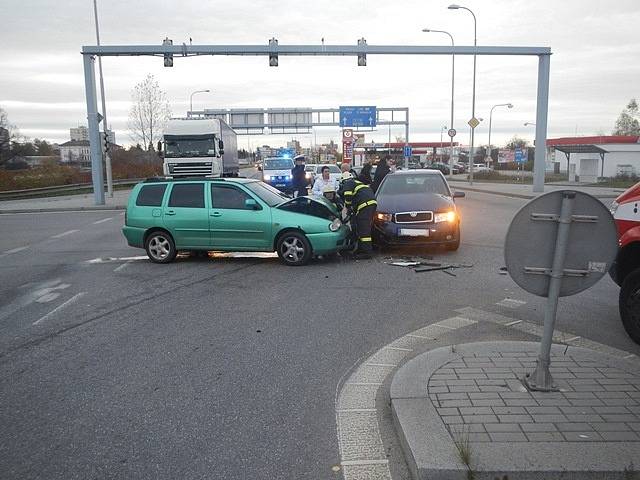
{"points": [[594, 66]]}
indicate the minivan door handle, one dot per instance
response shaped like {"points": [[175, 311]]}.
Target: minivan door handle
{"points": [[216, 214], [170, 212]]}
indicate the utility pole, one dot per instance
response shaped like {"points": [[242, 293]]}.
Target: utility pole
{"points": [[107, 155]]}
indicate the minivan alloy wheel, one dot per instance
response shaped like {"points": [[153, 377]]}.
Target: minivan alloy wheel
{"points": [[292, 249], [159, 247]]}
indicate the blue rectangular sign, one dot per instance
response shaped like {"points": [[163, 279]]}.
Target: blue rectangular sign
{"points": [[358, 116], [521, 155], [407, 151]]}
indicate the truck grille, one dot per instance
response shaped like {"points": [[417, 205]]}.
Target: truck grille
{"points": [[190, 169], [414, 217]]}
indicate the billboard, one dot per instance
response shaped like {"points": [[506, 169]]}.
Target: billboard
{"points": [[506, 156]]}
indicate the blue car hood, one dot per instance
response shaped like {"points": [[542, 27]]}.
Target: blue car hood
{"points": [[412, 202]]}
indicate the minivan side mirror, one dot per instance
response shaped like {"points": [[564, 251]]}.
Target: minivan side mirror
{"points": [[459, 194], [251, 204]]}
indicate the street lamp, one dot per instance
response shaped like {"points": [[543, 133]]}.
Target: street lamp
{"points": [[526, 124], [508, 105], [473, 101], [453, 76], [191, 99]]}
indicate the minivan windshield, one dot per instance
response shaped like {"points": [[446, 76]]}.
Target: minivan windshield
{"points": [[198, 146], [419, 183], [278, 164], [267, 193]]}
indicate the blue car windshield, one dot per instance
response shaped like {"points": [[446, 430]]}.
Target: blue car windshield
{"points": [[278, 164], [403, 184], [267, 193]]}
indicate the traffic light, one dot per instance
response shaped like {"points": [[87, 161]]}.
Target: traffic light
{"points": [[362, 57], [168, 57], [105, 141], [273, 57]]}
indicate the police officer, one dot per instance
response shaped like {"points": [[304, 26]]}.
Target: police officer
{"points": [[360, 200], [299, 180]]}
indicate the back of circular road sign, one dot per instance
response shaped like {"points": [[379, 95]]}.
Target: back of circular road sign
{"points": [[531, 242]]}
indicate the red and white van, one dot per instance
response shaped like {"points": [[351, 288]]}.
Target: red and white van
{"points": [[626, 269]]}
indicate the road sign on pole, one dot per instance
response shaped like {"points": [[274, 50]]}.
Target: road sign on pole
{"points": [[576, 242], [452, 132], [407, 151], [358, 116], [474, 122]]}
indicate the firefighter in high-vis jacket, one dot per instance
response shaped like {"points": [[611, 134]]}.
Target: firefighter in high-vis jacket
{"points": [[361, 203]]}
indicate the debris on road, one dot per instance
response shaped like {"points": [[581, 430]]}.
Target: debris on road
{"points": [[503, 271], [445, 267]]}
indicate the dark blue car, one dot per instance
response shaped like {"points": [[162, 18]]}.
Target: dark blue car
{"points": [[416, 207]]}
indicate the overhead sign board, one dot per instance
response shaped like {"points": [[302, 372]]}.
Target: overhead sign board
{"points": [[355, 116], [407, 151]]}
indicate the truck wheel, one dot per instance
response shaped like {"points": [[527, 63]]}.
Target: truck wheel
{"points": [[629, 304], [294, 249]]}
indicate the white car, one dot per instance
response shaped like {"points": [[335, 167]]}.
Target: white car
{"points": [[480, 167], [334, 171]]}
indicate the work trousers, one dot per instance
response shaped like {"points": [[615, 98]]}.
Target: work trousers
{"points": [[364, 222]]}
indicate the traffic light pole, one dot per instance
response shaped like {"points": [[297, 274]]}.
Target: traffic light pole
{"points": [[273, 50], [94, 129]]}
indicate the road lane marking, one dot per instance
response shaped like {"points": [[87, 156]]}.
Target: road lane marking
{"points": [[16, 250], [116, 259], [102, 221], [59, 307], [64, 234], [510, 324], [121, 267], [511, 303], [357, 424]]}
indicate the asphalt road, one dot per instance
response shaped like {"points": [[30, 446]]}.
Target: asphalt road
{"points": [[222, 367]]}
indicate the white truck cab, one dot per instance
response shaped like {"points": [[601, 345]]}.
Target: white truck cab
{"points": [[204, 147]]}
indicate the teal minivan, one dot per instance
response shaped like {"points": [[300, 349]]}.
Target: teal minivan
{"points": [[165, 216]]}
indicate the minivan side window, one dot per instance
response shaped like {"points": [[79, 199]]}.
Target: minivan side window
{"points": [[151, 195], [226, 196], [187, 195]]}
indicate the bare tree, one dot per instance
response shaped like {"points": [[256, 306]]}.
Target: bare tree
{"points": [[627, 123], [149, 112]]}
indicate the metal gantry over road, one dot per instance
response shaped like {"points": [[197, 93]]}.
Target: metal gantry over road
{"points": [[273, 50]]}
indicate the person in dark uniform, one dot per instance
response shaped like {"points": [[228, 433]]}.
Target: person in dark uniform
{"points": [[381, 171], [299, 180], [360, 201], [365, 174]]}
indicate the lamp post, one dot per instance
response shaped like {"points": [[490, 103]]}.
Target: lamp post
{"points": [[191, 99], [526, 124], [508, 105], [473, 101], [453, 76]]}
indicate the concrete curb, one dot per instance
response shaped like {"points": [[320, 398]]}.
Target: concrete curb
{"points": [[430, 450], [63, 209]]}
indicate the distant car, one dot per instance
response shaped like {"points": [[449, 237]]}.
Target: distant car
{"points": [[276, 171], [462, 167], [480, 167], [310, 172], [442, 167], [416, 207], [358, 170], [165, 216]]}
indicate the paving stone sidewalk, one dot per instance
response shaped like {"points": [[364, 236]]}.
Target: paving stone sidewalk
{"points": [[471, 397], [483, 398]]}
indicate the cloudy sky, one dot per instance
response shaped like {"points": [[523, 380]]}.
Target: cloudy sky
{"points": [[594, 67]]}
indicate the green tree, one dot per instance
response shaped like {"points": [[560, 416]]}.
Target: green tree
{"points": [[517, 142], [43, 147], [627, 123]]}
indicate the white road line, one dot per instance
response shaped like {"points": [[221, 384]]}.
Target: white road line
{"points": [[572, 339], [103, 220], [381, 364], [398, 348], [357, 410], [64, 234], [116, 259], [122, 267], [16, 250], [59, 307], [510, 324], [364, 462], [102, 210]]}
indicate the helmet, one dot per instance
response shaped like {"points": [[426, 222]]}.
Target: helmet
{"points": [[329, 193], [346, 176]]}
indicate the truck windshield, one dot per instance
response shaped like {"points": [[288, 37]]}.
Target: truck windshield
{"points": [[278, 164], [189, 147]]}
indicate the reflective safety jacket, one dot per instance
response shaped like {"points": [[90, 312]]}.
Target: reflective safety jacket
{"points": [[356, 195]]}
